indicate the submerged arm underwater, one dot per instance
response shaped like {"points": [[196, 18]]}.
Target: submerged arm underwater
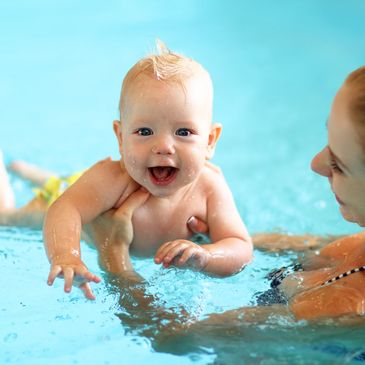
{"points": [[142, 313]]}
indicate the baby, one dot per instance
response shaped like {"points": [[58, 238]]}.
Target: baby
{"points": [[165, 136]]}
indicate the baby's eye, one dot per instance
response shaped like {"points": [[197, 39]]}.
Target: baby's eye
{"points": [[183, 132], [144, 132]]}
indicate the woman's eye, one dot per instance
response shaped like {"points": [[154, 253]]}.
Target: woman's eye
{"points": [[335, 167], [144, 132], [183, 132]]}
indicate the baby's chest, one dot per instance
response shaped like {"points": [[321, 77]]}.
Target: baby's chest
{"points": [[155, 225]]}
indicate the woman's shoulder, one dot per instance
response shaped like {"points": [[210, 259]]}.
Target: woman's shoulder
{"points": [[344, 246]]}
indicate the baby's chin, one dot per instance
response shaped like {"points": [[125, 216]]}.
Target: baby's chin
{"points": [[158, 192], [161, 196]]}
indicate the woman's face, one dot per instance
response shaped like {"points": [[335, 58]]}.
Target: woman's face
{"points": [[342, 161]]}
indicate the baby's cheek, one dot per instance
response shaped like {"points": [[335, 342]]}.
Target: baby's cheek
{"points": [[191, 173], [130, 160], [131, 165], [196, 163]]}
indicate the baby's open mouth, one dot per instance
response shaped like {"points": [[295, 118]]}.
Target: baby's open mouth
{"points": [[162, 175]]}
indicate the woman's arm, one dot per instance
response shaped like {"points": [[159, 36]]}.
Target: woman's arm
{"points": [[327, 302], [277, 242], [112, 234]]}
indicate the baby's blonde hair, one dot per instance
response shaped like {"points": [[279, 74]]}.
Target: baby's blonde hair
{"points": [[163, 65], [355, 82]]}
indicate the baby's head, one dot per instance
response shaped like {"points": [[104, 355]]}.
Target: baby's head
{"points": [[165, 132], [167, 68]]}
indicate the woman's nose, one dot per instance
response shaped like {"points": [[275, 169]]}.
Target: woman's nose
{"points": [[163, 146], [321, 163]]}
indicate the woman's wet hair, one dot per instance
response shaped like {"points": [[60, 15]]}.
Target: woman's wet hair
{"points": [[355, 83]]}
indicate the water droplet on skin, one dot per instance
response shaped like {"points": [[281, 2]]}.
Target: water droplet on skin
{"points": [[75, 252]]}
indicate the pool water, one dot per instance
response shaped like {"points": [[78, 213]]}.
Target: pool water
{"points": [[275, 67]]}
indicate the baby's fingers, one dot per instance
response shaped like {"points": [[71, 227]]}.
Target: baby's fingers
{"points": [[86, 289], [82, 278], [174, 252], [55, 271], [68, 274], [187, 254], [164, 251], [87, 275]]}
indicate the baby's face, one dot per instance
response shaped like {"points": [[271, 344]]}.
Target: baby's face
{"points": [[165, 134]]}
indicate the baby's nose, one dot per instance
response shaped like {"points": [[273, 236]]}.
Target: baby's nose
{"points": [[163, 146]]}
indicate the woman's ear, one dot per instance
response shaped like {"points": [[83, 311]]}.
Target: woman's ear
{"points": [[118, 132], [214, 135]]}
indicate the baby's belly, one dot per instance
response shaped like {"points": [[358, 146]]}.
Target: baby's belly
{"points": [[149, 237], [161, 221]]}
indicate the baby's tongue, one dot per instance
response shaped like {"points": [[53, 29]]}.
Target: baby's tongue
{"points": [[161, 173]]}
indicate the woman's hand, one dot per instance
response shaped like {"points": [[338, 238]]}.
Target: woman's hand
{"points": [[196, 225], [113, 233]]}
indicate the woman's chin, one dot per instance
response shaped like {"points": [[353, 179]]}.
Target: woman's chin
{"points": [[353, 218]]}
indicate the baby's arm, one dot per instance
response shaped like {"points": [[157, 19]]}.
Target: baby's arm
{"points": [[95, 192], [231, 247]]}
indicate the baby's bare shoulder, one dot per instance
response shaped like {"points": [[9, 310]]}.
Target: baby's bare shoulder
{"points": [[108, 168], [213, 183], [210, 167], [212, 175]]}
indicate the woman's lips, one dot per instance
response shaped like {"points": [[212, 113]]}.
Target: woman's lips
{"points": [[339, 201]]}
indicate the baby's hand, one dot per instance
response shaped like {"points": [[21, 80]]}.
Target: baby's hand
{"points": [[74, 273], [182, 253]]}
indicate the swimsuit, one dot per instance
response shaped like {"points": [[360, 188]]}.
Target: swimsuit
{"points": [[55, 186], [277, 276], [274, 295], [343, 275]]}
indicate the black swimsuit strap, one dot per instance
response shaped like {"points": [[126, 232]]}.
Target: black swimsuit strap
{"points": [[343, 275]]}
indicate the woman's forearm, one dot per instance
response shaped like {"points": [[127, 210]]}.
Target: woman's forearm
{"points": [[276, 242]]}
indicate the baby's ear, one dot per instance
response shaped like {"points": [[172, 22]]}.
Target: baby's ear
{"points": [[214, 135], [117, 131]]}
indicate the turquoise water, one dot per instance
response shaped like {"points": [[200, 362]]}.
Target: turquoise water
{"points": [[275, 67]]}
